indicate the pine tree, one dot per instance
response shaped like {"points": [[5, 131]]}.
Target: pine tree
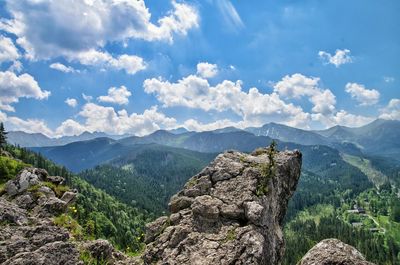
{"points": [[3, 136]]}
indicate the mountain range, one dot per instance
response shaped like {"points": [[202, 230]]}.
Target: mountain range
{"points": [[25, 139]]}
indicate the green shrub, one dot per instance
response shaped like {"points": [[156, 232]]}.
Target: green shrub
{"points": [[9, 168]]}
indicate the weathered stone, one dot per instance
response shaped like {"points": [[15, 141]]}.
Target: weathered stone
{"points": [[253, 212], [69, 197], [154, 228], [55, 179], [26, 178], [11, 213], [178, 203], [218, 218], [207, 207], [333, 252], [100, 249]]}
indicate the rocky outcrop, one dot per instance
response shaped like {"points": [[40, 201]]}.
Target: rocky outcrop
{"points": [[28, 234], [333, 252], [230, 213]]}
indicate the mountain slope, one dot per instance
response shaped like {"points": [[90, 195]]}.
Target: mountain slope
{"points": [[380, 137], [148, 177], [289, 134], [24, 139]]}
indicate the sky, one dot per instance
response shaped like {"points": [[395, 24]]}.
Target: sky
{"points": [[133, 66]]}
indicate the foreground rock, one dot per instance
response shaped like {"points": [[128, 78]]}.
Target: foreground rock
{"points": [[28, 235], [230, 213], [333, 252]]}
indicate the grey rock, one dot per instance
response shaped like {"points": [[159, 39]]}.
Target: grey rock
{"points": [[253, 212], [26, 178], [100, 249], [11, 213], [55, 179], [69, 197], [54, 253], [218, 218], [178, 203], [333, 252]]}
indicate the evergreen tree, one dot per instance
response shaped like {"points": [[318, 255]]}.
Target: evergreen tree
{"points": [[3, 136]]}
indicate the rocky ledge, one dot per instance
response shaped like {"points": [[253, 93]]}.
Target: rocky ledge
{"points": [[28, 234], [229, 213]]}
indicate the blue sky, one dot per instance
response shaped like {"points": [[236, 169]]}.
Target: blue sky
{"points": [[134, 67]]}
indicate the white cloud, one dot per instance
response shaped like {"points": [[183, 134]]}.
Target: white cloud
{"points": [[195, 92], [3, 116], [106, 119], [342, 117], [194, 125], [298, 85], [16, 67], [207, 70], [362, 95], [69, 128], [392, 110], [130, 63], [29, 126], [87, 98], [339, 58], [13, 87], [83, 25], [71, 102], [62, 68], [8, 51], [116, 95]]}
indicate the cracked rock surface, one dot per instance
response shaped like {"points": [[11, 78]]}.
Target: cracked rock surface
{"points": [[221, 217]]}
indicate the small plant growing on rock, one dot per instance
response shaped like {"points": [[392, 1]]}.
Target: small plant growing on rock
{"points": [[267, 170]]}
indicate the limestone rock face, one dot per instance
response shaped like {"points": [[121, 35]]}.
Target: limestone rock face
{"points": [[333, 252], [229, 213], [28, 235]]}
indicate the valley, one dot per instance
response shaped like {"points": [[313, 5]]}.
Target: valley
{"points": [[138, 175]]}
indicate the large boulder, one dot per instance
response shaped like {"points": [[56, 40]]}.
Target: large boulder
{"points": [[333, 252], [230, 213]]}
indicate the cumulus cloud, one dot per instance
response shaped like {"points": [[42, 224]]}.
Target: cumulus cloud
{"points": [[392, 110], [207, 70], [362, 95], [13, 87], [69, 128], [106, 119], [71, 102], [337, 59], [116, 95], [67, 27], [62, 68], [195, 92], [8, 51], [298, 85], [194, 125], [341, 117], [130, 63], [29, 126]]}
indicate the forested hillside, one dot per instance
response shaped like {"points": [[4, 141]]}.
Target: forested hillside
{"points": [[148, 178], [101, 215]]}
